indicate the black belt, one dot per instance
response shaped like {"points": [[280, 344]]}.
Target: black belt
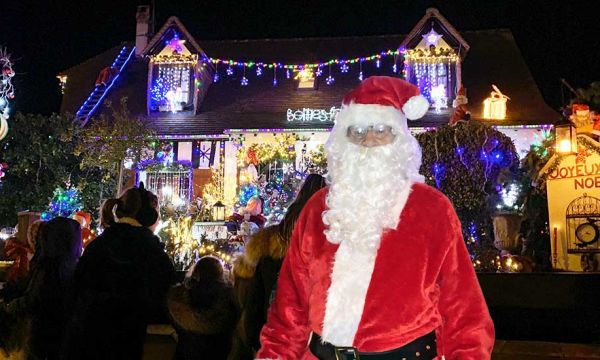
{"points": [[422, 348]]}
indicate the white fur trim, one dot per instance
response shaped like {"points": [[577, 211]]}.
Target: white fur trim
{"points": [[415, 107], [370, 114], [352, 269]]}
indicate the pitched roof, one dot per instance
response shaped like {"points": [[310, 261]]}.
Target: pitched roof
{"points": [[173, 21], [494, 58], [435, 14]]}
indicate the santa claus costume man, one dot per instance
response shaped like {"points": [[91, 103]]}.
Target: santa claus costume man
{"points": [[377, 267]]}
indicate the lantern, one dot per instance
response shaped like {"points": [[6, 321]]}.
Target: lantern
{"points": [[565, 137], [218, 211]]}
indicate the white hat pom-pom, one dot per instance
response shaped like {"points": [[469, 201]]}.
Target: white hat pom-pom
{"points": [[415, 107]]}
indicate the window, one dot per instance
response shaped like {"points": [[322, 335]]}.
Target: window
{"points": [[432, 70], [172, 87], [173, 73]]}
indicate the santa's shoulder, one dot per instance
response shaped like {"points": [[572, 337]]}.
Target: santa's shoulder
{"points": [[423, 194], [318, 199]]}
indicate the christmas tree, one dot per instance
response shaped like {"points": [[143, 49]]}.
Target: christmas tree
{"points": [[64, 202]]}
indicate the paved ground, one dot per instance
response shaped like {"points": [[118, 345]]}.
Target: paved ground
{"points": [[161, 348], [532, 350]]}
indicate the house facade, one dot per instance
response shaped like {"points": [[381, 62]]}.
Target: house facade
{"points": [[206, 99]]}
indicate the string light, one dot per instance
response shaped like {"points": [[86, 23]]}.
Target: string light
{"points": [[274, 76], [244, 80], [360, 74], [216, 76], [329, 80], [292, 66]]}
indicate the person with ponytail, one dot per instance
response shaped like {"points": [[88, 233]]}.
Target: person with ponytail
{"points": [[257, 270], [121, 282]]}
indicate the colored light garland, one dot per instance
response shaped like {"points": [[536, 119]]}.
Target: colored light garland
{"points": [[279, 65]]}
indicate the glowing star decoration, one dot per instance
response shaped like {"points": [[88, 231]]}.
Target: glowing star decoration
{"points": [[344, 68], [229, 71], [259, 71], [329, 80], [432, 38], [175, 44], [494, 107], [319, 71], [438, 95], [216, 77], [244, 81]]}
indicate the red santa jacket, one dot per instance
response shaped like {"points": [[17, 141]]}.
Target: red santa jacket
{"points": [[422, 281]]}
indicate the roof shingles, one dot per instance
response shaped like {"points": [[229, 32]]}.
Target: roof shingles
{"points": [[493, 58]]}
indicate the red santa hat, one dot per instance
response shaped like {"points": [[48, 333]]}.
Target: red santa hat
{"points": [[389, 92], [83, 218]]}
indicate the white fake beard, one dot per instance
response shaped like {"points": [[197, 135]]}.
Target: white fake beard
{"points": [[368, 190], [365, 187]]}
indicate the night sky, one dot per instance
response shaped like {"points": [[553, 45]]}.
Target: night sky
{"points": [[557, 38]]}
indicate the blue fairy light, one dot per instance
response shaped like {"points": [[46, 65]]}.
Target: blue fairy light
{"points": [[360, 76], [216, 77], [497, 156]]}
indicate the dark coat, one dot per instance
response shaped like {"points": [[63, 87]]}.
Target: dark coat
{"points": [[45, 302], [203, 334], [120, 286], [255, 278]]}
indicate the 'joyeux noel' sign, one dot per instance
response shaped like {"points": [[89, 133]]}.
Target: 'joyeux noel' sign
{"points": [[312, 115]]}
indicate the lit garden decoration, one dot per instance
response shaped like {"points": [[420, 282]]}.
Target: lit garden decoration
{"points": [[7, 91], [566, 137], [64, 203]]}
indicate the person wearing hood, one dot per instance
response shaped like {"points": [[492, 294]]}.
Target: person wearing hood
{"points": [[120, 283], [45, 301], [204, 312]]}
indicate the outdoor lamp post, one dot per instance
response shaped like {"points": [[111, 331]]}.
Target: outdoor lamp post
{"points": [[566, 137], [218, 211]]}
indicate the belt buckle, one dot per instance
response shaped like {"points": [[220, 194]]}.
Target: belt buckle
{"points": [[346, 353]]}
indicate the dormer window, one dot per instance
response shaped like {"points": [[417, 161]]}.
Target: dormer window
{"points": [[172, 86], [431, 65], [306, 79]]}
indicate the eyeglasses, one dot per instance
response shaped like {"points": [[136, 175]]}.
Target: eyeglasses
{"points": [[358, 133]]}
